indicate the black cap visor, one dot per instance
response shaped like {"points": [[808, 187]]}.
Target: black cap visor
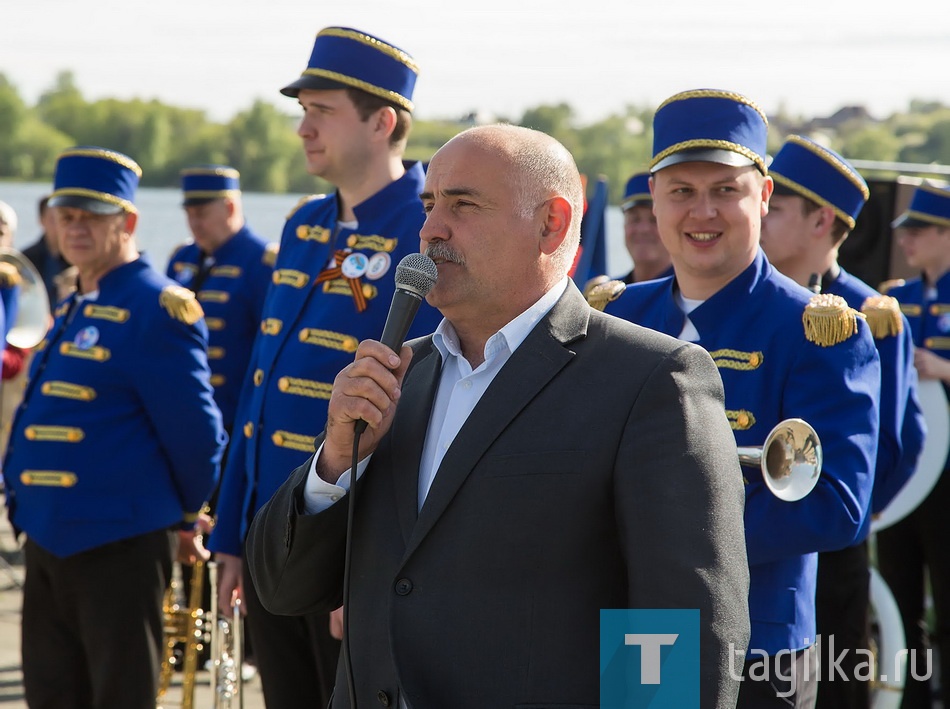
{"points": [[723, 157], [88, 204], [307, 81], [906, 221]]}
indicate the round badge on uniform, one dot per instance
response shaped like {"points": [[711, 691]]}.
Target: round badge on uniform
{"points": [[379, 264], [87, 337], [943, 322], [354, 265]]}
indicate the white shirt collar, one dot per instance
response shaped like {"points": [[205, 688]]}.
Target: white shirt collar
{"points": [[445, 339]]}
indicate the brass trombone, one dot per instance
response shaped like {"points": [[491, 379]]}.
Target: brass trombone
{"points": [[226, 651], [790, 459]]}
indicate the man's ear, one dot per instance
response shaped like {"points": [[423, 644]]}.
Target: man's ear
{"points": [[557, 219], [824, 220], [768, 187], [131, 219], [385, 121]]}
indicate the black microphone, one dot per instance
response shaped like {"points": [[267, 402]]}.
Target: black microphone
{"points": [[415, 276], [814, 283]]}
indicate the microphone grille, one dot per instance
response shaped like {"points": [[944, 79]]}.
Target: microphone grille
{"points": [[416, 272]]}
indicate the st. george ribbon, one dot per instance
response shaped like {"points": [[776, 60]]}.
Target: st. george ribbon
{"points": [[415, 276]]}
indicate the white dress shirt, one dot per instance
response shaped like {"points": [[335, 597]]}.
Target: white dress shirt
{"points": [[460, 388]]}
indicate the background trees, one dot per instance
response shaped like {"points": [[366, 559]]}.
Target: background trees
{"points": [[261, 141]]}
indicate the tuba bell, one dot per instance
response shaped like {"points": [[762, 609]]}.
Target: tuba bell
{"points": [[930, 465], [790, 459], [32, 304]]}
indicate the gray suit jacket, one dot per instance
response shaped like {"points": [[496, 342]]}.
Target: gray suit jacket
{"points": [[597, 471]]}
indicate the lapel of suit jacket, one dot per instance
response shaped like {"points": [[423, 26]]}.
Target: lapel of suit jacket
{"points": [[409, 432], [532, 365]]}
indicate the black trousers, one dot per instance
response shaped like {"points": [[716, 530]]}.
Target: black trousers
{"points": [[842, 605], [784, 681], [909, 552], [296, 655], [92, 624]]}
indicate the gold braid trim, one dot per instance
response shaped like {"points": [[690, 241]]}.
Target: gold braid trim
{"points": [[219, 171], [883, 314], [736, 359], [929, 218], [9, 275], [369, 88], [115, 157], [828, 320], [885, 286], [846, 170], [302, 201], [387, 49], [740, 420], [814, 197], [600, 292], [717, 144], [181, 304], [294, 441]]}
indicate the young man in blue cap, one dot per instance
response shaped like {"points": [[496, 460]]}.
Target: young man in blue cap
{"points": [[332, 287], [116, 445], [650, 258], [917, 545], [228, 266], [817, 198], [780, 354]]}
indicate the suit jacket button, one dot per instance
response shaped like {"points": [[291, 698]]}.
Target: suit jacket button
{"points": [[383, 698], [403, 587]]}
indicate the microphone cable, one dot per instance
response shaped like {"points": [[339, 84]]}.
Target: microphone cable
{"points": [[345, 649]]}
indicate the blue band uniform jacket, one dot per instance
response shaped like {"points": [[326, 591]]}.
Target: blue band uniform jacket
{"points": [[232, 297], [902, 425], [929, 318], [753, 329], [119, 433], [309, 332]]}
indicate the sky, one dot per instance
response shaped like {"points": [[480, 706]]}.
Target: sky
{"points": [[495, 57]]}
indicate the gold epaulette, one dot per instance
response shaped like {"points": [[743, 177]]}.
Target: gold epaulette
{"points": [[302, 202], [829, 320], [270, 253], [595, 281], [599, 294], [883, 314], [181, 304], [9, 275], [887, 285], [178, 248]]}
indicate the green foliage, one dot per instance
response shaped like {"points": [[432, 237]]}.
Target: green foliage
{"points": [[261, 141]]}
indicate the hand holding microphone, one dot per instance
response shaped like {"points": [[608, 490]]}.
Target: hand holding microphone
{"points": [[415, 276], [364, 389]]}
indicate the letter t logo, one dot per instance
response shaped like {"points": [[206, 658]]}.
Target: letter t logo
{"points": [[650, 644]]}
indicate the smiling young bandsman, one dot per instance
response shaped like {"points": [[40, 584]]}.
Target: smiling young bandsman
{"points": [[781, 353]]}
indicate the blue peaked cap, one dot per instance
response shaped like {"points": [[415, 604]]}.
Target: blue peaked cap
{"points": [[709, 125], [204, 183], [929, 206], [95, 179], [637, 191], [820, 175], [343, 57]]}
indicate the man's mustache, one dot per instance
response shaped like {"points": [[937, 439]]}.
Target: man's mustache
{"points": [[443, 252]]}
